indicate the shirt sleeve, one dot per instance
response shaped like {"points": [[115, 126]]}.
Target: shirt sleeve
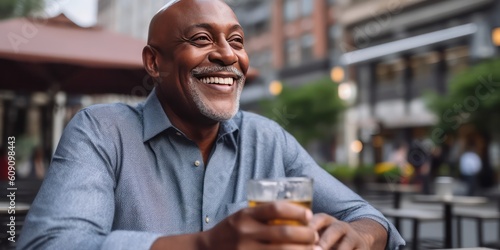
{"points": [[74, 208], [331, 196]]}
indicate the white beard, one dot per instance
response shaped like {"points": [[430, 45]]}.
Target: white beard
{"points": [[206, 110]]}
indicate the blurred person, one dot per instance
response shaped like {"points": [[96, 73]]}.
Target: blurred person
{"points": [[419, 158], [399, 157], [399, 154], [396, 167], [171, 172], [436, 161], [470, 165]]}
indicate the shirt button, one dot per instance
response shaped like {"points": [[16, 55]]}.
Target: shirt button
{"points": [[197, 163], [179, 134], [207, 220]]}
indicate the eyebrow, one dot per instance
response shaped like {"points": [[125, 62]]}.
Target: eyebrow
{"points": [[208, 26]]}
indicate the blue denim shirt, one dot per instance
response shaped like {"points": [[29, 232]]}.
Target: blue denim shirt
{"points": [[123, 176]]}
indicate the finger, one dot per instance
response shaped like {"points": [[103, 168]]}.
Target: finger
{"points": [[287, 247], [347, 245], [288, 234], [281, 210], [321, 221], [333, 234]]}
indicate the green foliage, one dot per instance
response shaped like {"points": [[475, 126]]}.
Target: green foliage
{"points": [[343, 173], [14, 8], [346, 173], [308, 112], [473, 97]]}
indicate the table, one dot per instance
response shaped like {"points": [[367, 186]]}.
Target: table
{"points": [[448, 202], [473, 248], [397, 190]]}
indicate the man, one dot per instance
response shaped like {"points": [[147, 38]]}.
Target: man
{"points": [[470, 165], [171, 172]]}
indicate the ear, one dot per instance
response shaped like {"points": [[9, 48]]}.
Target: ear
{"points": [[149, 61]]}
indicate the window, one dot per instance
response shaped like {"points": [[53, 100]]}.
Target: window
{"points": [[290, 10], [292, 52], [457, 59], [307, 42], [421, 65], [390, 72], [261, 59], [334, 36], [307, 7], [257, 29]]}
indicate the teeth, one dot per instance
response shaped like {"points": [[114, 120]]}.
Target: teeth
{"points": [[218, 80]]}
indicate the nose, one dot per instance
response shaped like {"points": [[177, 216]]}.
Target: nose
{"points": [[223, 54]]}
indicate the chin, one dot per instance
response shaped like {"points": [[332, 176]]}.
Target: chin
{"points": [[218, 114]]}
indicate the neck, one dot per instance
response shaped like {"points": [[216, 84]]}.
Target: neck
{"points": [[202, 131], [203, 136]]}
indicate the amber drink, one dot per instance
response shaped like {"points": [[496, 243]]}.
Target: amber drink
{"points": [[297, 190]]}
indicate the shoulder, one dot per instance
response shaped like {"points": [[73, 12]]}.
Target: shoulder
{"points": [[248, 121], [113, 111], [260, 130], [108, 119]]}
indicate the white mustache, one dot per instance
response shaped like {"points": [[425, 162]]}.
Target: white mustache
{"points": [[217, 69]]}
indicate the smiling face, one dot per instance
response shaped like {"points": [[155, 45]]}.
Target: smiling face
{"points": [[197, 56]]}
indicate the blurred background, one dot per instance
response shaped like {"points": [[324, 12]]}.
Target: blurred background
{"points": [[351, 80], [391, 91]]}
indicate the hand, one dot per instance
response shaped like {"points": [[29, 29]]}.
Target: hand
{"points": [[249, 229], [336, 234]]}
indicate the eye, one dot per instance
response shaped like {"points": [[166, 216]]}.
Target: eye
{"points": [[201, 40], [236, 42]]}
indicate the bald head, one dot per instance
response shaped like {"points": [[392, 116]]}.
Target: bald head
{"points": [[175, 10]]}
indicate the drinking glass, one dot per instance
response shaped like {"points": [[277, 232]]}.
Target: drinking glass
{"points": [[297, 190]]}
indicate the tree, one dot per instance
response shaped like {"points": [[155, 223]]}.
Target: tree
{"points": [[473, 99], [308, 112], [15, 8]]}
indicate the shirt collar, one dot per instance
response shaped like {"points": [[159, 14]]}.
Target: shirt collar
{"points": [[156, 121]]}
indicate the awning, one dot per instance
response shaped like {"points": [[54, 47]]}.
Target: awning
{"points": [[375, 52], [59, 40], [56, 54]]}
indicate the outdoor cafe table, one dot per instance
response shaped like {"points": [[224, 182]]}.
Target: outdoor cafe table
{"points": [[397, 190], [471, 248], [448, 202]]}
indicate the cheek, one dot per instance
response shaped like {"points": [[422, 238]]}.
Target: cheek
{"points": [[243, 61], [189, 58]]}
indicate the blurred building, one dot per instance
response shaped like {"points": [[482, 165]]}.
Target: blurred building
{"points": [[287, 40], [290, 42], [389, 53], [130, 17], [394, 51]]}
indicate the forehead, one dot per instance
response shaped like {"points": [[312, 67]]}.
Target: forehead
{"points": [[192, 12]]}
